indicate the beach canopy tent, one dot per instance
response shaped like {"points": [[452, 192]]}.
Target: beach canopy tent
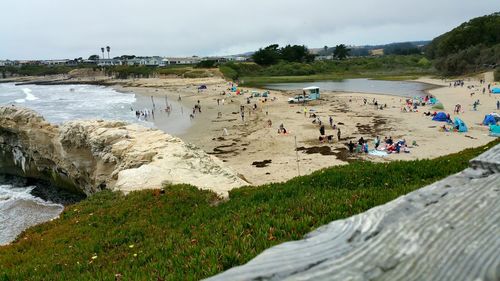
{"points": [[313, 92], [495, 90], [489, 120], [433, 101], [460, 125], [495, 130], [440, 117]]}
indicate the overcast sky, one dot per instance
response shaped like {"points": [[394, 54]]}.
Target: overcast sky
{"points": [[51, 29]]}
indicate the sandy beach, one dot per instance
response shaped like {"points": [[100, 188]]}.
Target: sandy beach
{"points": [[261, 155]]}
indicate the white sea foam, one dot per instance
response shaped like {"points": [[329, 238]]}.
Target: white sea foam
{"points": [[20, 210], [31, 97]]}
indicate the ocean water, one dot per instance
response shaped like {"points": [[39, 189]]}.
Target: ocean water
{"points": [[20, 209], [397, 88], [24, 203], [61, 103]]}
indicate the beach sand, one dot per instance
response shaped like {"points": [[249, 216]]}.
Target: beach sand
{"points": [[261, 155]]}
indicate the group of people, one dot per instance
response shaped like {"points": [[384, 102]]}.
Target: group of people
{"points": [[144, 114], [388, 145], [323, 137]]}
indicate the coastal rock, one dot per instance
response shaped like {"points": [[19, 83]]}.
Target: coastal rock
{"points": [[446, 231], [89, 156]]}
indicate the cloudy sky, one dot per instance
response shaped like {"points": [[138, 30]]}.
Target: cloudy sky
{"points": [[50, 29]]}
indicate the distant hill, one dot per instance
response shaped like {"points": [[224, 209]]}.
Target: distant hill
{"points": [[473, 46], [396, 48]]}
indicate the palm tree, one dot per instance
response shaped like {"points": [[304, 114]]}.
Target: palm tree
{"points": [[108, 48], [102, 50], [341, 51]]}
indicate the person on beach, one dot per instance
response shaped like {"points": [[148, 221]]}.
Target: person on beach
{"points": [[377, 142], [331, 121], [322, 130], [350, 145], [338, 134], [243, 115], [305, 111]]}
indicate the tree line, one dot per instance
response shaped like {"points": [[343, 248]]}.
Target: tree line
{"points": [[273, 54]]}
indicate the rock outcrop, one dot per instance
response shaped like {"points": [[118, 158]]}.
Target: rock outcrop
{"points": [[449, 230], [89, 156]]}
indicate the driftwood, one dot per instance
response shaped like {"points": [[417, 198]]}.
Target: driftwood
{"points": [[449, 230]]}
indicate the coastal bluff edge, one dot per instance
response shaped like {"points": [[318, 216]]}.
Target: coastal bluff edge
{"points": [[89, 156], [449, 230]]}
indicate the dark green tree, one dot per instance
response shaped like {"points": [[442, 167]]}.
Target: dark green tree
{"points": [[94, 57], [341, 52], [267, 56]]}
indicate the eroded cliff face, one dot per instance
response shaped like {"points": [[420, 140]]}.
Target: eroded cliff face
{"points": [[89, 156]]}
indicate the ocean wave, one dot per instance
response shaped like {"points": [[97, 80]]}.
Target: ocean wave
{"points": [[20, 210]]}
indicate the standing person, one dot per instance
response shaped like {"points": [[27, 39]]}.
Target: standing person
{"points": [[338, 134], [322, 130], [331, 121], [351, 146], [218, 102], [243, 115], [498, 104], [377, 142], [305, 111]]}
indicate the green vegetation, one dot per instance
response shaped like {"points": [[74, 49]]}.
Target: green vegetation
{"points": [[35, 70], [273, 54], [127, 71], [182, 233], [385, 67], [471, 47]]}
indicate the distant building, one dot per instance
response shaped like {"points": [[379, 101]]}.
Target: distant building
{"points": [[146, 61], [109, 62], [323, 58], [377, 52], [182, 60], [52, 62], [6, 63]]}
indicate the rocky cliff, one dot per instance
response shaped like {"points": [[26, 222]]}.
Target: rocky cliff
{"points": [[89, 156]]}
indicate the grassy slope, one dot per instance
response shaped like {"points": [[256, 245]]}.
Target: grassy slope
{"points": [[184, 234]]}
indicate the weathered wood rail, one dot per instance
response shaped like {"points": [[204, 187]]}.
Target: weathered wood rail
{"points": [[449, 230]]}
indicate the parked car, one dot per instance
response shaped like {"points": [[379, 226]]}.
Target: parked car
{"points": [[298, 99]]}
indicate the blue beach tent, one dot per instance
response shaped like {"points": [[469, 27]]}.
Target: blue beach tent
{"points": [[489, 120], [440, 117], [460, 125], [495, 90]]}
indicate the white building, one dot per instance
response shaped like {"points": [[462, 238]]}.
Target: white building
{"points": [[108, 62], [185, 60]]}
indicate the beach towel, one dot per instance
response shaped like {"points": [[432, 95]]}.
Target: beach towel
{"points": [[495, 90], [378, 153]]}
